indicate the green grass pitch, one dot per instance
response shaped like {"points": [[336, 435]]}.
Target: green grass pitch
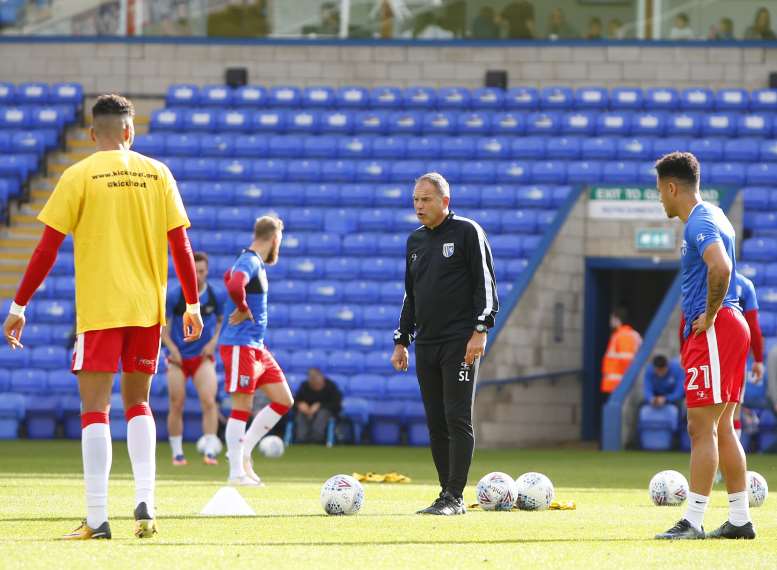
{"points": [[41, 498]]}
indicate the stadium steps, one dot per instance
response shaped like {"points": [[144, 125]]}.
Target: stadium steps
{"points": [[18, 241]]}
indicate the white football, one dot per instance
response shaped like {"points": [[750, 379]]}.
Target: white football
{"points": [[534, 492], [271, 446], [216, 444], [668, 488], [757, 489], [342, 495], [496, 492]]}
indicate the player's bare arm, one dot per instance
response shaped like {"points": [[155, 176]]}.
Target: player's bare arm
{"points": [[718, 279]]}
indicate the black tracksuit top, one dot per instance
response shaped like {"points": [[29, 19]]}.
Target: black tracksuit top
{"points": [[449, 283]]}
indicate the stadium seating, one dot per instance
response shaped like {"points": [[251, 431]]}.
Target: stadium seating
{"points": [[657, 427]]}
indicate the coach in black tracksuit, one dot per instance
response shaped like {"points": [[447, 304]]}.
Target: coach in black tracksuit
{"points": [[450, 303]]}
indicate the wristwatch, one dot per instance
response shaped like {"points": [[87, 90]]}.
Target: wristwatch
{"points": [[481, 328]]}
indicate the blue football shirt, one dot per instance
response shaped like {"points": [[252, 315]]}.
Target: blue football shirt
{"points": [[248, 333], [746, 293], [211, 308], [706, 225]]}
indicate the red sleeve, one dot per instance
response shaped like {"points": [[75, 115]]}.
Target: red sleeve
{"points": [[756, 337], [183, 260], [41, 262], [236, 287]]}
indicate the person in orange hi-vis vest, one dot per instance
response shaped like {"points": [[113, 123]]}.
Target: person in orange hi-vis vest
{"points": [[621, 349]]}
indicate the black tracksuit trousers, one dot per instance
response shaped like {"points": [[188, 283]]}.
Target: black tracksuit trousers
{"points": [[448, 389]]}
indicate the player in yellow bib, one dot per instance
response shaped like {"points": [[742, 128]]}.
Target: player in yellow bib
{"points": [[122, 209]]}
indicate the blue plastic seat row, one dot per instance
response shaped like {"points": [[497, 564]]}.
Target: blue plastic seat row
{"points": [[329, 339], [47, 357], [71, 94], [35, 117], [349, 362], [411, 122], [759, 249], [523, 98], [438, 147], [18, 166], [27, 141], [759, 199], [547, 172]]}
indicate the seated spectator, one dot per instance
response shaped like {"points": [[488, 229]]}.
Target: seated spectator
{"points": [[519, 19], [615, 30], [485, 27], [595, 31], [723, 31], [682, 28], [664, 382], [558, 28], [318, 400], [762, 27]]}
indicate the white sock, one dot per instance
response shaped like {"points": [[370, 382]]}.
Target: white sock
{"points": [[236, 429], [97, 454], [263, 422], [738, 508], [211, 443], [176, 443], [694, 511], [141, 444], [738, 431]]}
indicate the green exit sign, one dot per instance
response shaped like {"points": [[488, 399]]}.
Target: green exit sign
{"points": [[654, 239]]}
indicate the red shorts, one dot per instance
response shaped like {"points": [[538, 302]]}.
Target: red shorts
{"points": [[714, 361], [189, 366], [246, 368], [100, 351]]}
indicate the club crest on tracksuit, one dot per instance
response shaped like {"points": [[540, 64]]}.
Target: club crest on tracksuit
{"points": [[447, 249]]}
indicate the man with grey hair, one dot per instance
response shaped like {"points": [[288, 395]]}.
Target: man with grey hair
{"points": [[450, 304]]}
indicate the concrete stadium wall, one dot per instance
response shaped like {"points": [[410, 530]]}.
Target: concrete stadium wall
{"points": [[148, 68]]}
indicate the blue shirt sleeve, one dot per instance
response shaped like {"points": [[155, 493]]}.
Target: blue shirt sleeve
{"points": [[677, 371], [647, 383], [703, 232], [248, 264], [748, 293]]}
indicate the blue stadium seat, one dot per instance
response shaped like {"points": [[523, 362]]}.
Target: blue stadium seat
{"points": [[386, 98], [563, 148], [515, 267], [635, 149], [509, 123], [373, 171], [295, 244], [619, 172], [556, 98], [519, 221], [234, 120], [284, 96], [278, 314], [513, 172], [665, 145], [53, 312], [303, 170], [356, 147], [182, 95], [762, 174], [182, 145], [200, 120], [324, 244], [683, 124], [217, 145], [759, 249], [49, 357], [269, 169], [352, 97], [626, 98], [284, 146], [7, 93], [468, 196], [152, 144], [327, 339], [584, 172], [732, 100], [382, 268], [741, 150], [599, 148], [392, 292], [36, 335], [199, 169], [345, 362], [318, 97], [591, 98], [406, 123], [697, 99], [302, 360], [402, 171], [321, 147], [706, 150], [288, 339], [719, 125], [307, 316], [363, 339], [767, 298], [361, 292], [475, 123], [487, 98], [41, 416], [506, 246], [419, 148], [661, 98], [14, 117], [12, 411], [372, 220], [578, 123], [304, 268], [371, 386], [613, 124], [499, 197], [302, 121], [62, 383], [250, 96], [543, 123], [754, 125], [419, 98], [657, 427], [216, 96], [371, 122], [531, 148], [533, 197], [32, 381], [522, 98], [648, 124], [768, 150], [392, 147], [492, 147], [340, 122], [28, 142], [436, 123], [477, 172], [380, 317], [453, 98], [342, 268], [763, 100], [32, 93], [756, 272], [252, 146], [403, 387], [343, 220], [728, 173], [391, 244], [344, 316], [760, 221], [405, 221], [458, 148], [269, 121]]}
